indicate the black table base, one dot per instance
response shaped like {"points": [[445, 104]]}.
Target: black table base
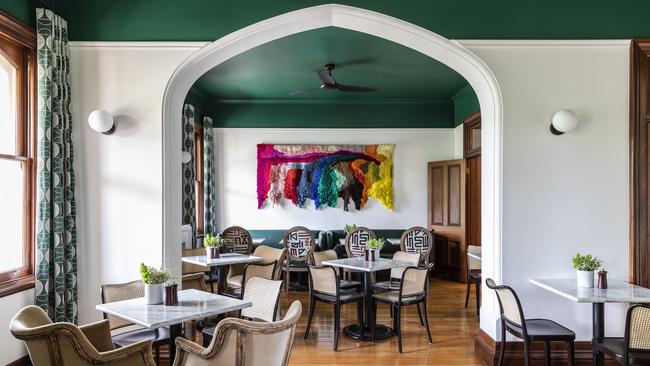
{"points": [[356, 332], [175, 331], [598, 309]]}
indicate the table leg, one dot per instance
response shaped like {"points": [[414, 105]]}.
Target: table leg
{"points": [[212, 279], [598, 309], [221, 280], [174, 331], [362, 331]]}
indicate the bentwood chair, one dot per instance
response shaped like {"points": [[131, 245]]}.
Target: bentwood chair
{"points": [[330, 255], [265, 296], [125, 333], [300, 244], [253, 270], [325, 286], [269, 255], [412, 290], [243, 342], [396, 276], [473, 276], [356, 242], [417, 240], [528, 330], [67, 344], [634, 347], [237, 240]]}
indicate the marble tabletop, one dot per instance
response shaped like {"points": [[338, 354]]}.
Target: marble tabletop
{"points": [[394, 241], [225, 259], [360, 264], [617, 291], [474, 255], [192, 304]]}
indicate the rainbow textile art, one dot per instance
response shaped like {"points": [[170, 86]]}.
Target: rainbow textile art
{"points": [[323, 173]]}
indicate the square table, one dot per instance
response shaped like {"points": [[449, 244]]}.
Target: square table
{"points": [[225, 259], [359, 264], [617, 291], [192, 305]]}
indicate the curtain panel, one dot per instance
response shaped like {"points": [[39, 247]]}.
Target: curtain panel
{"points": [[209, 194], [56, 237], [189, 205]]}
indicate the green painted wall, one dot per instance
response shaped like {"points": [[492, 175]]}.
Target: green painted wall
{"points": [[344, 114], [167, 20], [465, 104], [21, 9]]}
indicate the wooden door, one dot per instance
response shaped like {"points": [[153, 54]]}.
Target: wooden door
{"points": [[446, 217], [473, 203]]}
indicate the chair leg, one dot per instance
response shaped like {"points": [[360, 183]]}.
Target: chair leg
{"points": [[526, 353], [469, 286], [157, 354], [502, 351], [337, 320], [426, 320], [398, 317], [572, 355], [287, 277], [420, 314], [478, 297], [312, 305], [547, 353]]}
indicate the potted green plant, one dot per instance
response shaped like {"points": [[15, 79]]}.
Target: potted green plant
{"points": [[349, 227], [374, 247], [213, 245], [154, 282], [585, 265]]}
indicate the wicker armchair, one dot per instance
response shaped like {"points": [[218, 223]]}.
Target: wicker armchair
{"points": [[62, 344], [244, 342], [634, 347]]}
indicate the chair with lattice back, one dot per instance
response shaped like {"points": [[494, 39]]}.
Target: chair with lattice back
{"points": [[634, 347], [300, 244], [240, 241], [417, 240], [356, 241]]}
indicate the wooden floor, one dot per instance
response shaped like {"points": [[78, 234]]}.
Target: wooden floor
{"points": [[453, 329]]}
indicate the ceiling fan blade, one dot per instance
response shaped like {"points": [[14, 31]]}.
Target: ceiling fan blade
{"points": [[298, 92], [350, 88], [326, 77]]}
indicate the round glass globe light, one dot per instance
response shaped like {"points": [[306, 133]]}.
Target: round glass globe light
{"points": [[564, 120], [100, 121]]}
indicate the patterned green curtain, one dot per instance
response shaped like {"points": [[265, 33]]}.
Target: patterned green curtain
{"points": [[209, 210], [56, 237], [189, 208]]}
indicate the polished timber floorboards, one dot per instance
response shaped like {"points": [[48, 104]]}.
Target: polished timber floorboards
{"points": [[453, 329]]}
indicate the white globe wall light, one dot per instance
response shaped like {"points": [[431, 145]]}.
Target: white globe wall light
{"points": [[101, 121], [564, 120]]}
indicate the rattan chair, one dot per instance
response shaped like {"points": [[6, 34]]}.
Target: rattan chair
{"points": [[252, 270], [528, 330], [67, 344], [194, 281], [124, 332], [396, 276], [413, 289], [324, 286], [300, 244], [330, 255], [474, 277], [634, 347], [240, 241], [417, 240], [357, 240], [243, 342], [269, 255], [264, 295]]}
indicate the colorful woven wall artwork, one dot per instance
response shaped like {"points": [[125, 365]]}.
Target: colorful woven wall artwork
{"points": [[323, 173]]}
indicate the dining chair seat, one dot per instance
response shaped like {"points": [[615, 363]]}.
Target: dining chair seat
{"points": [[543, 330], [345, 297], [157, 336], [295, 266], [614, 347], [349, 285], [391, 285], [235, 281], [392, 297]]}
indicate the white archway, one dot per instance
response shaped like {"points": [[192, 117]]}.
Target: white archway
{"points": [[333, 15]]}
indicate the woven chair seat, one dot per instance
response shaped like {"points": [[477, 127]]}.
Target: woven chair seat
{"points": [[144, 334], [614, 348]]}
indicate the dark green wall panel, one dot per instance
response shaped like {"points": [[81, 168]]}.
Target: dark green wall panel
{"points": [[465, 104], [470, 19], [332, 115], [21, 9]]}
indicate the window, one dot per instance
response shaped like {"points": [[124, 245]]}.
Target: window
{"points": [[198, 177], [17, 150], [472, 140]]}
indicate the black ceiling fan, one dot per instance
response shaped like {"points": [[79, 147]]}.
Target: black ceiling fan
{"points": [[328, 83]]}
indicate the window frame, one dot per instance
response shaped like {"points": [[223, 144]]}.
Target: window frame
{"points": [[15, 34], [472, 122]]}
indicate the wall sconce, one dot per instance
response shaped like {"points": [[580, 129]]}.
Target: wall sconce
{"points": [[186, 157], [564, 120], [101, 121]]}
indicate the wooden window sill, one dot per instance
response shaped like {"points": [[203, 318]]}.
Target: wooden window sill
{"points": [[18, 285]]}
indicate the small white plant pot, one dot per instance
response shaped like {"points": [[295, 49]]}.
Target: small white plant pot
{"points": [[153, 294], [585, 279]]}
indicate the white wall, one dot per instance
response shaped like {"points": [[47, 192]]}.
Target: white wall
{"points": [[563, 194], [119, 177], [12, 349], [236, 171]]}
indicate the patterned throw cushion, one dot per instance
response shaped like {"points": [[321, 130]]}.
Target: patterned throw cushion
{"points": [[299, 243], [417, 241], [358, 241], [238, 240]]}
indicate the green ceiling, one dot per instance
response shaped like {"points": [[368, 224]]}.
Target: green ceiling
{"points": [[469, 19], [273, 70]]}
